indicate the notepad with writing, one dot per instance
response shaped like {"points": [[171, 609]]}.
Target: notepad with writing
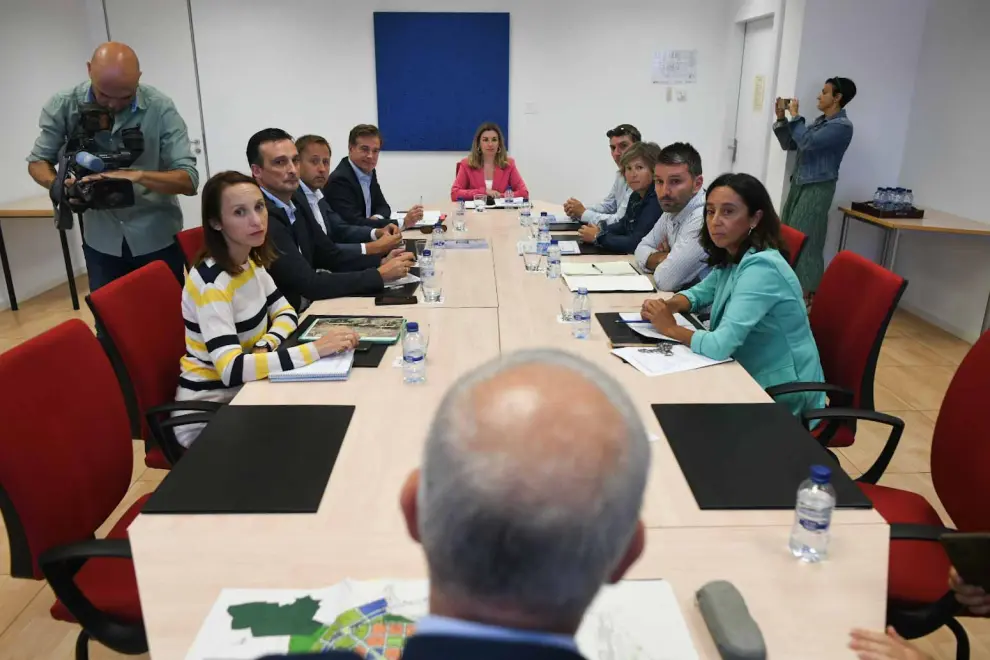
{"points": [[334, 367], [598, 268]]}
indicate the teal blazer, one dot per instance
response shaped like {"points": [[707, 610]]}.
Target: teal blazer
{"points": [[759, 318]]}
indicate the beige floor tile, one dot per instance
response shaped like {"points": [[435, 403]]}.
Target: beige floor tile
{"points": [[922, 388], [948, 346], [913, 454], [941, 645], [906, 352], [931, 414], [15, 595], [884, 399]]}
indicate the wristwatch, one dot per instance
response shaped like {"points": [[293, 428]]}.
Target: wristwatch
{"points": [[263, 343]]}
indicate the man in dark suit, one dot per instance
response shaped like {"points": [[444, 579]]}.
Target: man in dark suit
{"points": [[353, 189], [519, 536], [310, 266], [314, 172]]}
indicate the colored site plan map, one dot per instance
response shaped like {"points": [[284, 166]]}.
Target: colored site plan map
{"points": [[634, 620]]}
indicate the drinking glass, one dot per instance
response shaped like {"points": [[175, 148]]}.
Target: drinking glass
{"points": [[532, 261], [479, 202]]}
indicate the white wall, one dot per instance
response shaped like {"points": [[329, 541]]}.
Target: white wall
{"points": [[313, 71], [945, 165], [45, 45], [780, 162]]}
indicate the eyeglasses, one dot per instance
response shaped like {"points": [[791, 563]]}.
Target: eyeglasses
{"points": [[622, 130]]}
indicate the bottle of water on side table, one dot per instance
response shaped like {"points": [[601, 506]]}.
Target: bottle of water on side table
{"points": [[525, 213], [581, 327], [553, 260], [543, 236], [413, 355], [813, 516], [459, 217], [438, 242]]}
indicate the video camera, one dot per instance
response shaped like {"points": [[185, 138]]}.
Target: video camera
{"points": [[89, 151]]}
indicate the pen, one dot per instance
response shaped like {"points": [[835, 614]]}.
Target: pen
{"points": [[598, 269], [625, 322]]}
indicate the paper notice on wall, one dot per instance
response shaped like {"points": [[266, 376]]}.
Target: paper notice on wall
{"points": [[675, 67], [759, 91]]}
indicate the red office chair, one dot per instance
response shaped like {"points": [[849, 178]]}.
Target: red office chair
{"points": [[918, 598], [853, 307], [140, 321], [793, 242], [65, 465], [191, 241]]}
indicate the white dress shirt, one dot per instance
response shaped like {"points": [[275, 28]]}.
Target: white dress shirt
{"points": [[687, 260], [314, 197]]}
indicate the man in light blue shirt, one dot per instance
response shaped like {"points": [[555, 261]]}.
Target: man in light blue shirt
{"points": [[613, 207], [520, 536]]}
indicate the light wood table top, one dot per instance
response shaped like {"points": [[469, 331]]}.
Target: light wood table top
{"points": [[184, 561], [934, 221], [39, 206]]}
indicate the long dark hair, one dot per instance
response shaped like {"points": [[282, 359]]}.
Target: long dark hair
{"points": [[765, 235], [214, 244]]}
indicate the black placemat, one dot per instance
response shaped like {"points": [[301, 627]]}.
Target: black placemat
{"points": [[564, 226], [585, 248], [256, 459], [622, 334], [748, 456], [368, 356]]}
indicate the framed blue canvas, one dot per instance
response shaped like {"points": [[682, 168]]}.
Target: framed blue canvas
{"points": [[439, 76]]}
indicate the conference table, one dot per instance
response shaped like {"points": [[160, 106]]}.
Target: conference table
{"points": [[491, 306]]}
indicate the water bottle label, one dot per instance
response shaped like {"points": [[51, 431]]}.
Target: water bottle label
{"points": [[814, 520], [582, 316], [412, 358]]}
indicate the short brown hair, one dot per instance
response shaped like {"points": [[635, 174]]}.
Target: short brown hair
{"points": [[648, 152], [307, 140], [476, 160], [622, 130], [214, 244], [364, 130]]}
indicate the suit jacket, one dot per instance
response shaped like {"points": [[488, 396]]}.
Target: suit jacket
{"points": [[760, 319], [641, 216], [347, 237], [344, 195], [436, 647], [303, 248], [470, 181]]}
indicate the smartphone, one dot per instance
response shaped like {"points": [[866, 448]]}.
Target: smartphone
{"points": [[396, 300], [970, 555]]}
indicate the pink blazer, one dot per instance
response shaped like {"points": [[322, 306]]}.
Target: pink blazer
{"points": [[470, 181]]}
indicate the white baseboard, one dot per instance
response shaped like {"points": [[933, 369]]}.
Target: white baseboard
{"points": [[952, 329]]}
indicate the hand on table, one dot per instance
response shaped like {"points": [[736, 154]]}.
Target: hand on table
{"points": [[976, 600], [336, 340], [396, 265], [385, 243], [589, 233], [494, 194], [574, 208], [388, 230], [659, 315], [414, 215], [870, 645]]}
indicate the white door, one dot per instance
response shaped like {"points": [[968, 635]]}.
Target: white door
{"points": [[160, 33], [754, 109]]}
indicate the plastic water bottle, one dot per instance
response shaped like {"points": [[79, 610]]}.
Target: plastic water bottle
{"points": [[581, 327], [878, 198], [413, 355], [553, 260], [438, 242], [508, 195], [525, 213], [908, 199], [459, 217], [543, 238], [813, 516]]}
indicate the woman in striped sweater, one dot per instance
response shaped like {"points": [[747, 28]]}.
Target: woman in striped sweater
{"points": [[235, 317]]}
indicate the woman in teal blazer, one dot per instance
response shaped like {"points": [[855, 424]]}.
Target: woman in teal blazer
{"points": [[758, 315]]}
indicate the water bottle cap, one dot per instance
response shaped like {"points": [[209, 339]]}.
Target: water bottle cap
{"points": [[412, 326], [820, 474], [525, 199], [553, 241], [427, 252], [460, 199], [582, 291], [439, 223], [542, 213]]}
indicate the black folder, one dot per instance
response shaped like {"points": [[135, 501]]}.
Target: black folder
{"points": [[585, 248], [622, 334], [256, 459], [748, 456], [565, 226]]}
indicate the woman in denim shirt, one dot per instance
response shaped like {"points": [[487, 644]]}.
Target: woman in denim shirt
{"points": [[643, 209], [820, 149]]}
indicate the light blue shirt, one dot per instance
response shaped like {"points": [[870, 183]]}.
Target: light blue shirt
{"points": [[290, 208], [448, 627], [365, 181]]}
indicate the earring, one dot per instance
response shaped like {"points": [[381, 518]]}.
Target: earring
{"points": [[750, 231]]}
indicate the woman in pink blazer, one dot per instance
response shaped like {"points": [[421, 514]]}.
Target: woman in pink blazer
{"points": [[488, 170]]}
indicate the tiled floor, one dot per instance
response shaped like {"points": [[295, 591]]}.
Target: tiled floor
{"points": [[916, 363]]}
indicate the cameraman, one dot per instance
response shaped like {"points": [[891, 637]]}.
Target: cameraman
{"points": [[118, 241]]}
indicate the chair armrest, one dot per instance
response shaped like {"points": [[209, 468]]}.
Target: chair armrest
{"points": [[896, 424], [168, 408], [162, 424], [840, 396], [182, 420], [914, 532], [60, 566]]}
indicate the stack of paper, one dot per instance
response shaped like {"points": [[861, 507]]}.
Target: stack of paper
{"points": [[602, 268], [609, 283], [645, 329], [402, 281], [465, 244], [335, 367], [651, 362], [500, 203]]}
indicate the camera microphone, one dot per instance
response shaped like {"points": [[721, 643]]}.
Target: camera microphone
{"points": [[90, 162]]}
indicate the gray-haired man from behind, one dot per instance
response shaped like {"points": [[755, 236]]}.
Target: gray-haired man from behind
{"points": [[525, 505]]}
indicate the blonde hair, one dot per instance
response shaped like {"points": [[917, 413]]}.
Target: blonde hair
{"points": [[476, 160]]}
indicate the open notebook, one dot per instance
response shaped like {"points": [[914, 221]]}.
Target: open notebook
{"points": [[335, 367]]}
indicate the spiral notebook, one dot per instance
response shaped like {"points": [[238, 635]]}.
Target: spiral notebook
{"points": [[336, 367]]}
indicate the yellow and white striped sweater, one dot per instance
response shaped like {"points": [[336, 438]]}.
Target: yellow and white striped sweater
{"points": [[225, 317]]}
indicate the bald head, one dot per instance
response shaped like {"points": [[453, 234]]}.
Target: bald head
{"points": [[530, 490], [114, 72]]}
